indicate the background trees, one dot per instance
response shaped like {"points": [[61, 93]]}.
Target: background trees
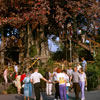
{"points": [[57, 13], [36, 19], [39, 18]]}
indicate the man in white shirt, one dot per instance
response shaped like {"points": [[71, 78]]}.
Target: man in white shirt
{"points": [[35, 79]]}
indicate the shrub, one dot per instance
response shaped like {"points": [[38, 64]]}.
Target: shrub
{"points": [[32, 51], [93, 76], [12, 89], [1, 79]]}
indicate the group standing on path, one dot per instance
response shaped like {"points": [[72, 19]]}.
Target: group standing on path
{"points": [[63, 80], [77, 78]]}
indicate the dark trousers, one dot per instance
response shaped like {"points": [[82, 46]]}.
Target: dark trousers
{"points": [[57, 94], [37, 90], [76, 89]]}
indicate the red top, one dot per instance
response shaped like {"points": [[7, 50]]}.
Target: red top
{"points": [[22, 77], [16, 75]]}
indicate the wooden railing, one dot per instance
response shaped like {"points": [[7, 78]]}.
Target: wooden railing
{"points": [[93, 42], [87, 47], [92, 46]]}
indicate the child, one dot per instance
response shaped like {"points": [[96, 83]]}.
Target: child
{"points": [[18, 83]]}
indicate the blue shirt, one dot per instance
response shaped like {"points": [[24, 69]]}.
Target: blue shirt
{"points": [[84, 63]]}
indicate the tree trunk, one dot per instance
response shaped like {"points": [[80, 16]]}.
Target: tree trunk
{"points": [[74, 26], [44, 47], [28, 45], [38, 43], [2, 47]]}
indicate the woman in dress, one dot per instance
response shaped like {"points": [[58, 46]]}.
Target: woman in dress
{"points": [[18, 83], [27, 87]]}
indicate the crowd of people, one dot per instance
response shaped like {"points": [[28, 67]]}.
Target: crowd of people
{"points": [[62, 79], [65, 79]]}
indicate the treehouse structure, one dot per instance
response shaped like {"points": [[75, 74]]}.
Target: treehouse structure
{"points": [[24, 49]]}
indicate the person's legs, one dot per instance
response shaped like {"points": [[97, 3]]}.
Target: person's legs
{"points": [[64, 92], [57, 94], [47, 88], [28, 98], [50, 89], [30, 90], [74, 86], [80, 83], [5, 78], [56, 91], [86, 84], [77, 90], [61, 91], [24, 97], [19, 91], [37, 90], [67, 92], [33, 92], [82, 90]]}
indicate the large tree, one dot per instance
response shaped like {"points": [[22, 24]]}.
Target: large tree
{"points": [[52, 16]]}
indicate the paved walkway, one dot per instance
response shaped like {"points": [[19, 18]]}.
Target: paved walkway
{"points": [[93, 95]]}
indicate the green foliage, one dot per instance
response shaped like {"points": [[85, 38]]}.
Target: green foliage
{"points": [[93, 73], [12, 89], [98, 37], [97, 59], [49, 65], [59, 55], [42, 70], [50, 62], [32, 51], [85, 53], [1, 79]]}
